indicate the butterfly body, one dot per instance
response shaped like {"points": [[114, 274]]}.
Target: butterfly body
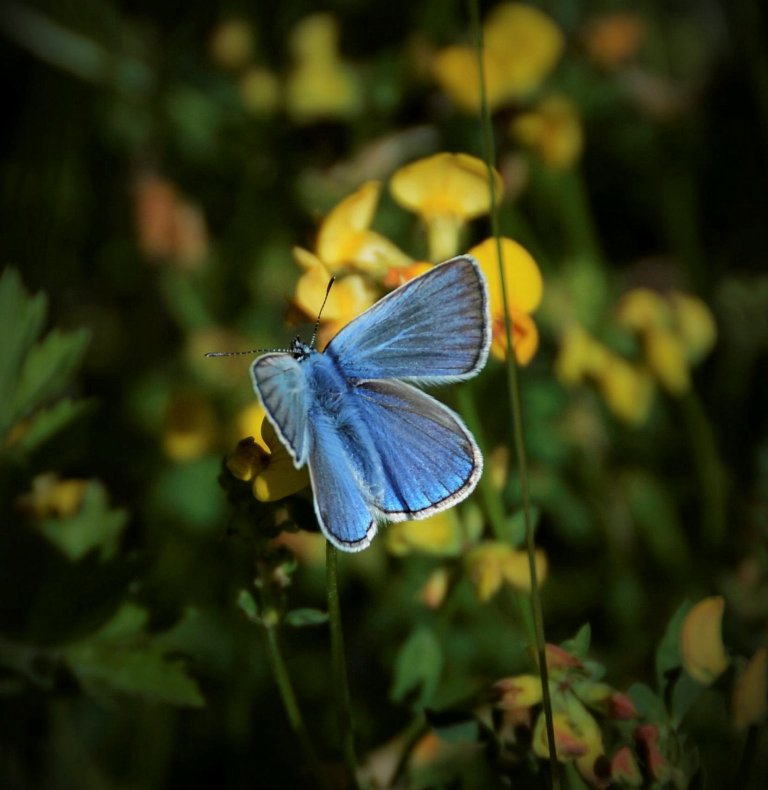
{"points": [[378, 448]]}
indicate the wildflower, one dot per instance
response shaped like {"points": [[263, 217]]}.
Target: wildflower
{"points": [[612, 39], [167, 226], [701, 642], [440, 535], [259, 91], [677, 331], [436, 588], [231, 46], [521, 47], [647, 740], [446, 190], [263, 460], [751, 691], [320, 85], [190, 427], [553, 130], [51, 496], [524, 290], [491, 564], [581, 356], [626, 388], [624, 768]]}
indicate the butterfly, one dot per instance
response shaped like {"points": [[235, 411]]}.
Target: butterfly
{"points": [[378, 448]]}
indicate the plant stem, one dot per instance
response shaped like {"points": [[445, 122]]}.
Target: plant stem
{"points": [[291, 706], [515, 405], [340, 665]]}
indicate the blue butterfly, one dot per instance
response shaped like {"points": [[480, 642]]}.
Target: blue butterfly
{"points": [[378, 448]]}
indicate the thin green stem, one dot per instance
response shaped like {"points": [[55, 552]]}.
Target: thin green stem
{"points": [[708, 468], [515, 405], [339, 663], [291, 705]]}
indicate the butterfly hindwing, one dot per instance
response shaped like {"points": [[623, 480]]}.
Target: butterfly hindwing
{"points": [[433, 329], [428, 460], [280, 382]]}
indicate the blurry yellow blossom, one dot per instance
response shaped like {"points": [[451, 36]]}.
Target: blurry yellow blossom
{"points": [[189, 429], [626, 388], [346, 241], [231, 44], [320, 84], [259, 91], [307, 547], [167, 226], [446, 190], [434, 591], [521, 47], [51, 496], [399, 275], [677, 331], [520, 691], [263, 459], [498, 466], [524, 288], [612, 39], [553, 130], [701, 641], [580, 357], [440, 535], [491, 564], [750, 692]]}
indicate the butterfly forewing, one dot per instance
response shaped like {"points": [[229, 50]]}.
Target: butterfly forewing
{"points": [[281, 384], [433, 329]]}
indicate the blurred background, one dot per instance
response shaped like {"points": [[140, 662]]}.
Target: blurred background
{"points": [[159, 164]]}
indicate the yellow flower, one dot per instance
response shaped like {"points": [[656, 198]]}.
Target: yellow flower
{"points": [[612, 39], [259, 91], [521, 691], [751, 691], [231, 44], [701, 641], [51, 496], [490, 564], [320, 85], [524, 291], [627, 389], [434, 591], [677, 331], [190, 427], [580, 357], [439, 535], [521, 47], [553, 130], [446, 190], [263, 459], [346, 241]]}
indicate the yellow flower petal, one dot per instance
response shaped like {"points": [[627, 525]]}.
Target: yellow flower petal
{"points": [[249, 421], [455, 71], [627, 389], [483, 564], [345, 220], [552, 129], [701, 643], [190, 428], [279, 478], [521, 691], [346, 300], [695, 325], [665, 355], [444, 184], [642, 309], [750, 691], [516, 570], [523, 278], [248, 460], [580, 356], [434, 591], [53, 497], [439, 535]]}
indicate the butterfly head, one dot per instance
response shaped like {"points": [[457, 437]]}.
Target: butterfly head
{"points": [[299, 349]]}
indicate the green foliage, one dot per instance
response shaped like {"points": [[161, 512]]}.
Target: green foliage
{"points": [[417, 668]]}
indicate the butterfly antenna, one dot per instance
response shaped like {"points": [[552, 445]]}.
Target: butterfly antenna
{"points": [[241, 353], [317, 323]]}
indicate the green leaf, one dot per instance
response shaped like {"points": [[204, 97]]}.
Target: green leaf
{"points": [[514, 527], [668, 659], [95, 526], [48, 421], [454, 725], [684, 693], [418, 666], [48, 369], [303, 617], [579, 645], [248, 605], [122, 658], [648, 703]]}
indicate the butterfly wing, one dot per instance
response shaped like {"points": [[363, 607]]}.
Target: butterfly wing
{"points": [[281, 384], [435, 329], [341, 506], [428, 459]]}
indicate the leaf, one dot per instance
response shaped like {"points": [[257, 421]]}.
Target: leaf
{"points": [[454, 725], [95, 526], [418, 666], [299, 618], [579, 645], [248, 605], [668, 658], [122, 658], [48, 421], [514, 527], [684, 693], [648, 703]]}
